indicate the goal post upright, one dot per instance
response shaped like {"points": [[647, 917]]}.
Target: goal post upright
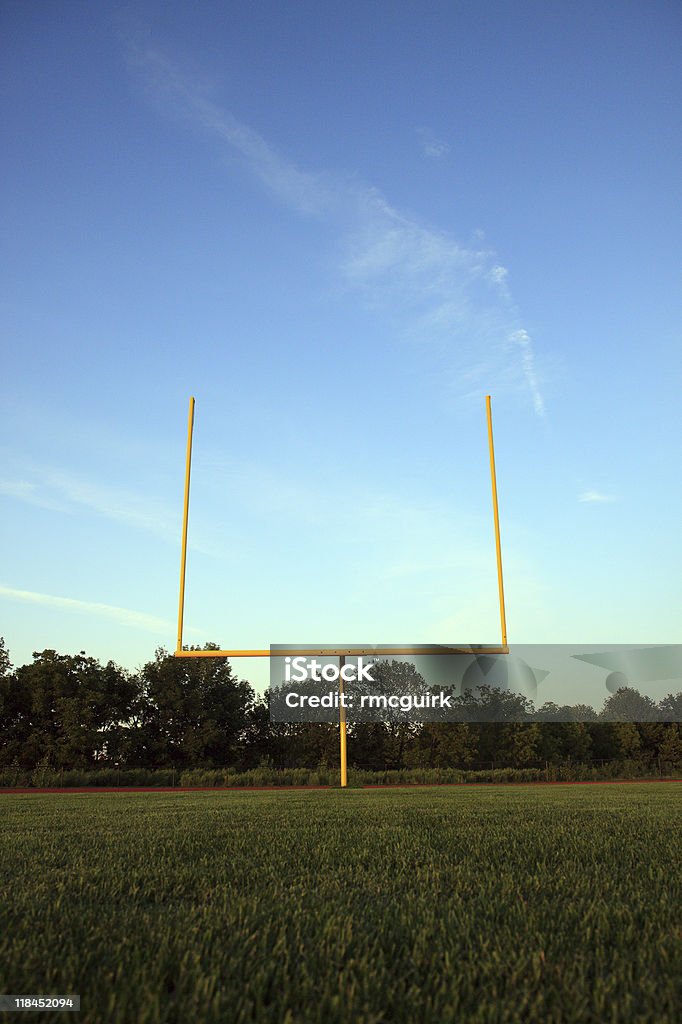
{"points": [[342, 727], [496, 516], [185, 517]]}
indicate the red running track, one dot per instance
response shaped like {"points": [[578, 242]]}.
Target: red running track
{"points": [[392, 785]]}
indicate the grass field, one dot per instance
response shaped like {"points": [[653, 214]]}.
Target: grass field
{"points": [[490, 905]]}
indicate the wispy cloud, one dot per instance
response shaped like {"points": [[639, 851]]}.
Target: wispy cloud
{"points": [[125, 616], [31, 492], [141, 511], [60, 491], [455, 296], [522, 339], [186, 98], [498, 275], [595, 498], [23, 489], [432, 146]]}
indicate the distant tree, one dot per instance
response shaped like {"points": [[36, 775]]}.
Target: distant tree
{"points": [[562, 741], [445, 745], [670, 747], [551, 712], [628, 740], [670, 708], [195, 712], [5, 663], [628, 705], [604, 741], [67, 708], [14, 707], [259, 737], [651, 735], [368, 745], [491, 742], [391, 678], [490, 704], [399, 742], [320, 744], [523, 741], [615, 740]]}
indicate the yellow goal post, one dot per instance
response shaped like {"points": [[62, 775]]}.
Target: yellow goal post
{"points": [[338, 651]]}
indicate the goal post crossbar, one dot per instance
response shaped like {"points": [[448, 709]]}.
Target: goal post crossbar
{"points": [[349, 652]]}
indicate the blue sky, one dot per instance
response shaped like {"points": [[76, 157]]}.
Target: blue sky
{"points": [[340, 226]]}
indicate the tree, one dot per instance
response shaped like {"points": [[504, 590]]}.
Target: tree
{"points": [[490, 704], [399, 730], [670, 747], [195, 711], [564, 741], [67, 707], [523, 740], [445, 745], [628, 705], [628, 739], [260, 736], [368, 745], [670, 708], [5, 663], [14, 713]]}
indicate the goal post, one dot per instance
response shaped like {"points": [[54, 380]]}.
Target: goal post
{"points": [[496, 517], [342, 652]]}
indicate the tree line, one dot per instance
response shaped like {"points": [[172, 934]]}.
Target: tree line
{"points": [[73, 712]]}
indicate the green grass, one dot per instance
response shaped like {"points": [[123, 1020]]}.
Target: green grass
{"points": [[497, 905]]}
